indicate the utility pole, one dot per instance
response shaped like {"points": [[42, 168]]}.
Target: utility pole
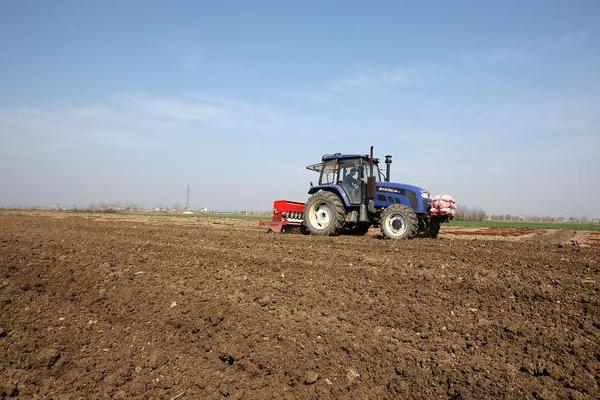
{"points": [[187, 197]]}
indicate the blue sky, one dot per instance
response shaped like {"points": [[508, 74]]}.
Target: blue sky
{"points": [[496, 103]]}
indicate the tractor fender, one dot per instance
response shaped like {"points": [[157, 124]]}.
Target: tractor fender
{"points": [[338, 191]]}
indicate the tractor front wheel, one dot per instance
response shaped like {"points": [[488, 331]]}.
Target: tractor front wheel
{"points": [[324, 214], [398, 222]]}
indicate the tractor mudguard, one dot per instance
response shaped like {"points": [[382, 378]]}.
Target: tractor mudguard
{"points": [[334, 189]]}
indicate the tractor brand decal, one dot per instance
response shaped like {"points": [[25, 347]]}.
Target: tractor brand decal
{"points": [[389, 189]]}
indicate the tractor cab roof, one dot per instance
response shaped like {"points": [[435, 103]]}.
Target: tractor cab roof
{"points": [[338, 156]]}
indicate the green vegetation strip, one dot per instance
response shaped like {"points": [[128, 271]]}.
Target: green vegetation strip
{"points": [[524, 224]]}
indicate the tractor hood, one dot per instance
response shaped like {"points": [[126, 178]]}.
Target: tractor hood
{"points": [[412, 196], [393, 186]]}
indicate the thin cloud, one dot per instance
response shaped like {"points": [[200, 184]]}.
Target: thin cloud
{"points": [[450, 70], [526, 52], [137, 120], [372, 78], [178, 109], [381, 79]]}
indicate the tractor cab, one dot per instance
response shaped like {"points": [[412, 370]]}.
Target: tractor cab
{"points": [[346, 172]]}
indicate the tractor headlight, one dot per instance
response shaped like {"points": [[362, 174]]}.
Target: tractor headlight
{"points": [[425, 194]]}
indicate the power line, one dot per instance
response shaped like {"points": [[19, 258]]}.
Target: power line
{"points": [[187, 197]]}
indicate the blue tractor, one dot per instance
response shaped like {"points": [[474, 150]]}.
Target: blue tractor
{"points": [[353, 194]]}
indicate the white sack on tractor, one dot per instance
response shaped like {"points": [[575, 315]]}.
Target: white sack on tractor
{"points": [[443, 204]]}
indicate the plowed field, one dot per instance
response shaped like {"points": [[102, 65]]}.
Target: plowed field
{"points": [[101, 307]]}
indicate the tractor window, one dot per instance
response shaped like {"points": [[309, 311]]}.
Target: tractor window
{"points": [[351, 174], [359, 168], [351, 169], [379, 176], [365, 170], [376, 172], [328, 173]]}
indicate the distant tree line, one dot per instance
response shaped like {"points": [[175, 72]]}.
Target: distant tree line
{"points": [[112, 207], [570, 220], [464, 213]]}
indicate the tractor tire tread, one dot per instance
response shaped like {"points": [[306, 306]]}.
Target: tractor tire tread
{"points": [[411, 219], [337, 207]]}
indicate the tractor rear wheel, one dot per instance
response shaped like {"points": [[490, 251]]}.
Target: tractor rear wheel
{"points": [[398, 222], [324, 214]]}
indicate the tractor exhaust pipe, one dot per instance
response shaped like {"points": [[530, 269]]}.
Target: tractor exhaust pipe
{"points": [[368, 199], [388, 164], [371, 180], [371, 162]]}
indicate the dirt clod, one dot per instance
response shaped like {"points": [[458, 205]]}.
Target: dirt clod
{"points": [[46, 357], [215, 319], [263, 301], [9, 389], [310, 377], [352, 375]]}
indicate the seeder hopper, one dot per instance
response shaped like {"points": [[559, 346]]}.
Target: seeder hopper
{"points": [[287, 216]]}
